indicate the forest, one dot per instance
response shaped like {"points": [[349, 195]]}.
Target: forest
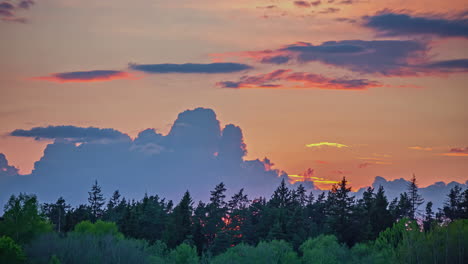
{"points": [[292, 226]]}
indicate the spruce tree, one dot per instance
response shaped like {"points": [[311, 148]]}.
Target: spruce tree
{"points": [[96, 201], [414, 197]]}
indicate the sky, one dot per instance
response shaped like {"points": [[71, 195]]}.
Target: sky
{"points": [[323, 89]]}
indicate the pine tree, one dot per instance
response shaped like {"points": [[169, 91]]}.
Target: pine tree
{"points": [[453, 206], [96, 201], [415, 198]]}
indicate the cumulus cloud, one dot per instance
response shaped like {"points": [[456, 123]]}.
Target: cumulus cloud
{"points": [[85, 76], [5, 168], [210, 68], [392, 23], [196, 155], [71, 133], [9, 10], [286, 79]]}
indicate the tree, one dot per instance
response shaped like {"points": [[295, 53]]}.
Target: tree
{"points": [[22, 220], [428, 217], [323, 249], [340, 211], [96, 201], [216, 212], [414, 197], [179, 226], [57, 213], [10, 252], [453, 206], [184, 254]]}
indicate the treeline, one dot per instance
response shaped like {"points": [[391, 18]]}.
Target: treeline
{"points": [[293, 226]]}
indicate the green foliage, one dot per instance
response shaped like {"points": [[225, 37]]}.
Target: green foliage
{"points": [[10, 252], [100, 228], [184, 254], [54, 260], [21, 220], [86, 248], [275, 252], [323, 249]]}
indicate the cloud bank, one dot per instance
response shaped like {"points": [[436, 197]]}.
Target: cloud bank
{"points": [[195, 155]]}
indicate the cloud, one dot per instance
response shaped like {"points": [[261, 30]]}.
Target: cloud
{"points": [[85, 76], [196, 155], [391, 23], [329, 144], [316, 3], [275, 59], [9, 10], [210, 68], [421, 148], [456, 65], [436, 193], [286, 79], [364, 165], [72, 133], [308, 179], [375, 57], [457, 152], [301, 3], [5, 168], [330, 10]]}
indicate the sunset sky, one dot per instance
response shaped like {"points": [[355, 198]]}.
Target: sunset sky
{"points": [[355, 88]]}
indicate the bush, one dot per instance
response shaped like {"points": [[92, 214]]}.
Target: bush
{"points": [[323, 249], [10, 252]]}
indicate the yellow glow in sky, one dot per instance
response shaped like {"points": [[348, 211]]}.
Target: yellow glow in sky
{"points": [[330, 144]]}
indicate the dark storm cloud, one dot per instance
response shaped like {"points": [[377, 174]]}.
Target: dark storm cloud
{"points": [[78, 134], [210, 68], [389, 23]]}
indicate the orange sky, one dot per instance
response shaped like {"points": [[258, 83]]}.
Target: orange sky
{"points": [[382, 125]]}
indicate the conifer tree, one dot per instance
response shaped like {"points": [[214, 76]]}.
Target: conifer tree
{"points": [[414, 197], [96, 201]]}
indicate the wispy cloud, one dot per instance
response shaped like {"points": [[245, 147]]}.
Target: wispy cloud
{"points": [[286, 79], [457, 152], [86, 76], [308, 176], [210, 68], [72, 133], [329, 144], [421, 148]]}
